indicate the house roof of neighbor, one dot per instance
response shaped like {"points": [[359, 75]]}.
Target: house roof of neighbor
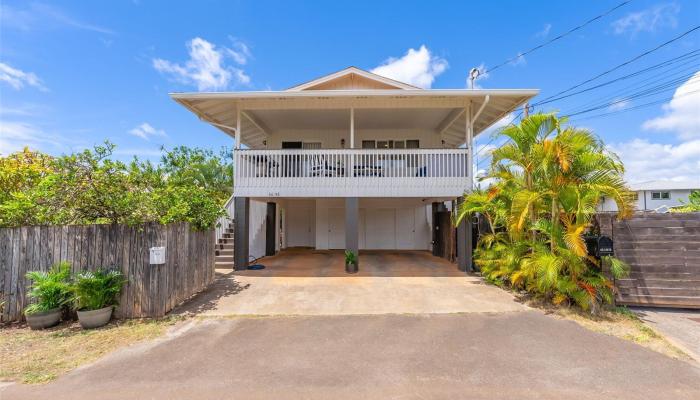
{"points": [[665, 185]]}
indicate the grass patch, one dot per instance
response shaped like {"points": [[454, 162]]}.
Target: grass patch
{"points": [[41, 356]]}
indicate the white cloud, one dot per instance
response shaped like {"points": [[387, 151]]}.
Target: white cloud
{"points": [[239, 51], [207, 67], [649, 20], [14, 136], [416, 67], [682, 113], [146, 131], [545, 31], [43, 16], [646, 161], [18, 78], [619, 104]]}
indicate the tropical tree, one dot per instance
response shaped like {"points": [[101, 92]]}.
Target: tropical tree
{"points": [[548, 179], [90, 186]]}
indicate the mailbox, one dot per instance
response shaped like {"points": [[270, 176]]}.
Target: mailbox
{"points": [[599, 246], [605, 247], [157, 255]]}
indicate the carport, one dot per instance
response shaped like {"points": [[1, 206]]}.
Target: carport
{"points": [[303, 281], [307, 262]]}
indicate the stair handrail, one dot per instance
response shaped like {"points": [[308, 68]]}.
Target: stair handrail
{"points": [[224, 221]]}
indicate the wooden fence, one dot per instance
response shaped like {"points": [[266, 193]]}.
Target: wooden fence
{"points": [[151, 291], [663, 251]]}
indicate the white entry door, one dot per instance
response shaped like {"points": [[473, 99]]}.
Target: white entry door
{"points": [[405, 228], [299, 226], [336, 228], [380, 228]]}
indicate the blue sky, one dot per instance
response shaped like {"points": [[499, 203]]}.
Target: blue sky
{"points": [[75, 73]]}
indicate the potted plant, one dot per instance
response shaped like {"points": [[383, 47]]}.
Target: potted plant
{"points": [[350, 262], [50, 291], [95, 295]]}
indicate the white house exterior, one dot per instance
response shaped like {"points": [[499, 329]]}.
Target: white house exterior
{"points": [[655, 195], [351, 160]]}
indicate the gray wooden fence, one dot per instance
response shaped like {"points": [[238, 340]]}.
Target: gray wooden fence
{"points": [[151, 291], [663, 251]]}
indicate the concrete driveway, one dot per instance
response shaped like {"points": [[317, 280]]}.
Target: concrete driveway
{"points": [[309, 282], [523, 355], [680, 326]]}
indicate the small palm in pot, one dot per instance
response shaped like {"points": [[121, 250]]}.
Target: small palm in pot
{"points": [[95, 295]]}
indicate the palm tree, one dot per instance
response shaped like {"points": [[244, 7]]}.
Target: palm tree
{"points": [[549, 180]]}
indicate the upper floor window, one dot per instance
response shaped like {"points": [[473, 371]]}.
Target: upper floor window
{"points": [[660, 195], [391, 144]]}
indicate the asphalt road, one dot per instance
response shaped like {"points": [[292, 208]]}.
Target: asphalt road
{"points": [[523, 355]]}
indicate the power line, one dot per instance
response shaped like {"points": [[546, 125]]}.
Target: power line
{"points": [[678, 70], [619, 65], [661, 88], [665, 100], [683, 57], [570, 31]]}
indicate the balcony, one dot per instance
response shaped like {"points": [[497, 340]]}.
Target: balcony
{"points": [[351, 173]]}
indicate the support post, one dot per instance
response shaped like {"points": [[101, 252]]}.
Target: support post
{"points": [[241, 219], [352, 128], [352, 216], [469, 130], [270, 229], [238, 127], [464, 243]]}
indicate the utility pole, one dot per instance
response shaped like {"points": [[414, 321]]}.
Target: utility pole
{"points": [[526, 110]]}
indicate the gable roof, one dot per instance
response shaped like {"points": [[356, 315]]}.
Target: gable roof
{"points": [[352, 78]]}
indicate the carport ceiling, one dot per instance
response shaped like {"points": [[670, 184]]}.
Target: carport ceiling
{"points": [[402, 118]]}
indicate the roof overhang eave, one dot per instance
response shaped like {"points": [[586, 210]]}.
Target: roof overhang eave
{"points": [[466, 93]]}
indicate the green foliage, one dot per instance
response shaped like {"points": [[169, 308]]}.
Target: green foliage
{"points": [[94, 290], [49, 290], [90, 187], [350, 257], [548, 181], [693, 204]]}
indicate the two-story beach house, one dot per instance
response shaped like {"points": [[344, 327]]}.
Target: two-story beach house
{"points": [[351, 160]]}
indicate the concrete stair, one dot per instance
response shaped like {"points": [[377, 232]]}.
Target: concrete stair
{"points": [[223, 253]]}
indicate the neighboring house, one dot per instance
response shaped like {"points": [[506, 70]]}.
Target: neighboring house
{"points": [[351, 160], [655, 195]]}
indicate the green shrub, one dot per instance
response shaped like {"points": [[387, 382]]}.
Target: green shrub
{"points": [[93, 290], [49, 290]]}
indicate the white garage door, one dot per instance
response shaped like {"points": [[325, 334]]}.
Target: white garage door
{"points": [[405, 228], [299, 225], [380, 228], [336, 228]]}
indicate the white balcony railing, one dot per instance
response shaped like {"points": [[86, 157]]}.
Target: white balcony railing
{"points": [[351, 173]]}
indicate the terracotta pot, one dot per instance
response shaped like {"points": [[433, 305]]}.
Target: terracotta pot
{"points": [[95, 318], [44, 319]]}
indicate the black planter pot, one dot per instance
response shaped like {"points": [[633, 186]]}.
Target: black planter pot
{"points": [[351, 268]]}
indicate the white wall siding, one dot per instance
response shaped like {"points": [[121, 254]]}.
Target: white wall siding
{"points": [[676, 196]]}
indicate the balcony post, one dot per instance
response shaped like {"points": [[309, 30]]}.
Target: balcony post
{"points": [[469, 143], [352, 127], [238, 126]]}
